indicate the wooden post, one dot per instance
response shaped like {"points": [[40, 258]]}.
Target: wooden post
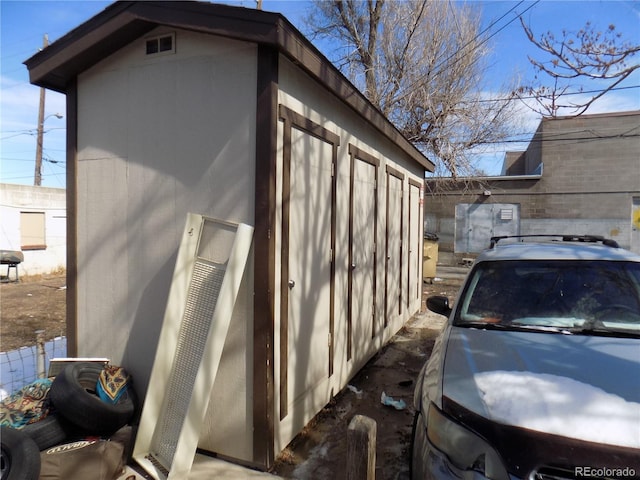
{"points": [[361, 448], [37, 177], [40, 353]]}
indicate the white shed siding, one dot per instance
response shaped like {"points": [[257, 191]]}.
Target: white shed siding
{"points": [[234, 130], [158, 136], [300, 94]]}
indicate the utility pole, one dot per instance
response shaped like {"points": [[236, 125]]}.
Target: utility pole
{"points": [[37, 178]]}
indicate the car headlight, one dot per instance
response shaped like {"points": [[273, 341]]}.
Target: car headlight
{"points": [[464, 449]]}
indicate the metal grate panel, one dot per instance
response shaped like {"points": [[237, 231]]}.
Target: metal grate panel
{"points": [[206, 280], [200, 305]]}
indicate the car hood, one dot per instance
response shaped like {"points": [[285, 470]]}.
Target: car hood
{"points": [[575, 386]]}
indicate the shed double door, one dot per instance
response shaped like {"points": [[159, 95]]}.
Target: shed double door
{"points": [[308, 329], [414, 240], [394, 244], [362, 325]]}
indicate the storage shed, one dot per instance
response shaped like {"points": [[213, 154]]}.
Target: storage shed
{"points": [[229, 112]]}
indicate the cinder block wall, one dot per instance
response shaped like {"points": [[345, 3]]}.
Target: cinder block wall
{"points": [[591, 172]]}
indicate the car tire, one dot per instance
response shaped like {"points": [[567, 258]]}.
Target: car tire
{"points": [[73, 395], [20, 455], [417, 442], [412, 443], [51, 430]]}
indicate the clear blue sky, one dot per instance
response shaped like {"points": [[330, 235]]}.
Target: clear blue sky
{"points": [[24, 23]]}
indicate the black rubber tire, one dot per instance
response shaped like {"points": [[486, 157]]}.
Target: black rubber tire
{"points": [[73, 395], [50, 431], [414, 426], [20, 456]]}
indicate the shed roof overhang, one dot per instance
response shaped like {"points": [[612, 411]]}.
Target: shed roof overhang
{"points": [[59, 64]]}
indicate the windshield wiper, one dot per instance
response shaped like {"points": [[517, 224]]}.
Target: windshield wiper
{"points": [[594, 327], [513, 327]]}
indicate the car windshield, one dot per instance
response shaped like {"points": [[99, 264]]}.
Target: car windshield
{"points": [[589, 297]]}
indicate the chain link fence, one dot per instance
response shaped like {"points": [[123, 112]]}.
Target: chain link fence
{"points": [[24, 365]]}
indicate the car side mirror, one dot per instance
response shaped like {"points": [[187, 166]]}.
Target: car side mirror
{"points": [[439, 304]]}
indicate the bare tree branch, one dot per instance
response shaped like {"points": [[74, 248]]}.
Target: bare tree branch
{"points": [[421, 63], [588, 54]]}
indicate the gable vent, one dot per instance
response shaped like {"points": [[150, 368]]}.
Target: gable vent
{"points": [[161, 44]]}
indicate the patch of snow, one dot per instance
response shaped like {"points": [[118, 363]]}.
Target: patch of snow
{"points": [[561, 406], [312, 467], [355, 390]]}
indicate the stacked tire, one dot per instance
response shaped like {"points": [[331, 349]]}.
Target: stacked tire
{"points": [[78, 412], [73, 394], [20, 455]]}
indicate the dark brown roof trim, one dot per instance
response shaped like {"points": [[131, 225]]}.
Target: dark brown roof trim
{"points": [[587, 116], [122, 22]]}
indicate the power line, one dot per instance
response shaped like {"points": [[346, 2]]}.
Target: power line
{"points": [[480, 41], [533, 139], [14, 159], [477, 37], [30, 131], [532, 97]]}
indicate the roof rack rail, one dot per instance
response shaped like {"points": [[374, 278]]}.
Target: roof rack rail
{"points": [[564, 237]]}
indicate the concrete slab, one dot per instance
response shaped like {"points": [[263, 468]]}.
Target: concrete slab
{"points": [[206, 468], [445, 271]]}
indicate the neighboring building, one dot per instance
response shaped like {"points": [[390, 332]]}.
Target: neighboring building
{"points": [[177, 107], [579, 175], [34, 221]]}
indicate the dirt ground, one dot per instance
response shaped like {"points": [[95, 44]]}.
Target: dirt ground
{"points": [[35, 303], [319, 452]]}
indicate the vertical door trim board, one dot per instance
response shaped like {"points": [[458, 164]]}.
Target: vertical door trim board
{"points": [[357, 154], [392, 172], [264, 256], [292, 119], [72, 219], [184, 317]]}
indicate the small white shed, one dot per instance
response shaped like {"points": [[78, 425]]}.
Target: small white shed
{"points": [[229, 112]]}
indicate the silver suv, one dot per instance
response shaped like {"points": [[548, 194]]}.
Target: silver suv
{"points": [[536, 374]]}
